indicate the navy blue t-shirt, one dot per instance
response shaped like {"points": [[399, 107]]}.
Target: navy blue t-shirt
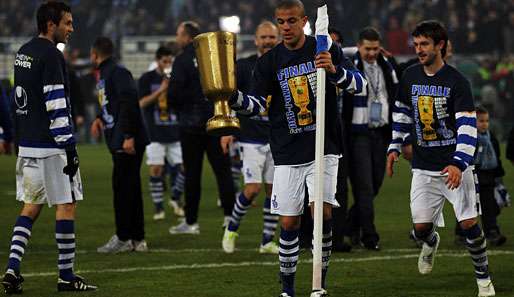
{"points": [[160, 119], [434, 100], [289, 76], [253, 129]]}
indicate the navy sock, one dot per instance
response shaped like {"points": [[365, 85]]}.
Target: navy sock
{"points": [[240, 208], [20, 238], [477, 248], [288, 257], [270, 222], [65, 237], [326, 250], [157, 192]]}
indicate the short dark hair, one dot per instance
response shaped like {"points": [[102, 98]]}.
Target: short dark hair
{"points": [[192, 28], [50, 11], [434, 30], [287, 4], [332, 30], [174, 47], [104, 46], [162, 51], [369, 33], [480, 109]]}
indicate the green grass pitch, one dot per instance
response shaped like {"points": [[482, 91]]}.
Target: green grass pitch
{"points": [[195, 266]]}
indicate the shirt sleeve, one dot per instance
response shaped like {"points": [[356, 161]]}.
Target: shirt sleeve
{"points": [[57, 104], [255, 102], [126, 91], [347, 77], [402, 119], [144, 86], [466, 125]]}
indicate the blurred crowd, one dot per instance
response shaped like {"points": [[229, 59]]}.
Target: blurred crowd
{"points": [[475, 26]]}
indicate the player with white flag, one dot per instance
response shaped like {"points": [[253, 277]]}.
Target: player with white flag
{"points": [[323, 44], [288, 73]]}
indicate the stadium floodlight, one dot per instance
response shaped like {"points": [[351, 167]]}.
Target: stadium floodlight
{"points": [[61, 46], [230, 24], [307, 29]]}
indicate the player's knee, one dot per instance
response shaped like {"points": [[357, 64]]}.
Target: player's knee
{"points": [[423, 230], [327, 211], [156, 170], [65, 211], [31, 210], [467, 224], [290, 223], [252, 190]]}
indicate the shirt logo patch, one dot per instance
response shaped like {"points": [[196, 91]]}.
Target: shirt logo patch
{"points": [[274, 202], [20, 98]]}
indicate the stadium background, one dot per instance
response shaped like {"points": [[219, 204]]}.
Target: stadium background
{"points": [[481, 32]]}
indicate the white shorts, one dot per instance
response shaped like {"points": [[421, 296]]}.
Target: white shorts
{"points": [[257, 163], [428, 194], [157, 153], [289, 186], [41, 180]]}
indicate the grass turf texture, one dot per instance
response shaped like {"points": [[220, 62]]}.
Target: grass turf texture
{"points": [[187, 265]]}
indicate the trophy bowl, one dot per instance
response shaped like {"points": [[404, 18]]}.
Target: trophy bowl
{"points": [[216, 58]]}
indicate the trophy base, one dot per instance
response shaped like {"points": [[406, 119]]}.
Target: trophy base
{"points": [[220, 125]]}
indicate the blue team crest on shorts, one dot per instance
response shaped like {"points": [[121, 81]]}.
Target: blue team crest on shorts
{"points": [[274, 201], [248, 173]]}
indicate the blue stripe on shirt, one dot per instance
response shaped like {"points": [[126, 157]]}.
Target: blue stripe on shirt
{"points": [[55, 94], [359, 81], [61, 131], [57, 113], [464, 157], [466, 139], [401, 127], [470, 121]]}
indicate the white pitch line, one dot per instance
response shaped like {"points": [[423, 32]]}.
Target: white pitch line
{"points": [[194, 251], [267, 263]]}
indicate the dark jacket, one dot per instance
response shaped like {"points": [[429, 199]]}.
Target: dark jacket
{"points": [[120, 111], [5, 116], [510, 146], [185, 93]]}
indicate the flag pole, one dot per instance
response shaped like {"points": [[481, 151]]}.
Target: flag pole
{"points": [[322, 39]]}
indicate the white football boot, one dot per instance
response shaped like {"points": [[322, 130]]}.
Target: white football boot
{"points": [[427, 256], [485, 288]]}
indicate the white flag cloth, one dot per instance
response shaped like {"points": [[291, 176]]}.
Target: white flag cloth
{"points": [[323, 40]]}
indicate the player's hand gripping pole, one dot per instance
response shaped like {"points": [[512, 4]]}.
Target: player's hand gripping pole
{"points": [[323, 44]]}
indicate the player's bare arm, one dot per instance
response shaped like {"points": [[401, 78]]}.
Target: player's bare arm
{"points": [[96, 128], [392, 158], [225, 143]]}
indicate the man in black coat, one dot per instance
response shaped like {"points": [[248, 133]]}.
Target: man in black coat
{"points": [[186, 95], [125, 136]]}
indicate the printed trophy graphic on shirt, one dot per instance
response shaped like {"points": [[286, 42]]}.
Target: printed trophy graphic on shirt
{"points": [[300, 91], [162, 103], [426, 114]]}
